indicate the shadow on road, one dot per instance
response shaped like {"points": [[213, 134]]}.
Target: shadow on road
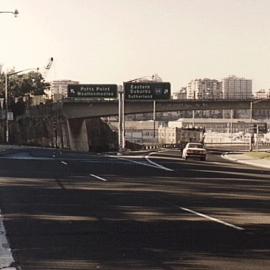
{"points": [[59, 218]]}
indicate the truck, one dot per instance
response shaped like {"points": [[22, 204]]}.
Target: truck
{"points": [[178, 137], [187, 135]]}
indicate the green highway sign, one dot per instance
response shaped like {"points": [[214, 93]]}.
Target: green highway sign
{"points": [[147, 90], [92, 90]]}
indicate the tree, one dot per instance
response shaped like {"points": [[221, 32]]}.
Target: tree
{"points": [[20, 85]]}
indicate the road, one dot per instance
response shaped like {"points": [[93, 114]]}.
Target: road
{"points": [[82, 211]]}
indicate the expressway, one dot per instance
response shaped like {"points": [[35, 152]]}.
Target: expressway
{"points": [[64, 210]]}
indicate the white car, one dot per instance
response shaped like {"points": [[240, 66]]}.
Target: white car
{"points": [[195, 150]]}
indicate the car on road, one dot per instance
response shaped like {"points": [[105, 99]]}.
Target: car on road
{"points": [[194, 150]]}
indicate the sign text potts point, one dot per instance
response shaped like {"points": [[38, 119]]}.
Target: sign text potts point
{"points": [[92, 90]]}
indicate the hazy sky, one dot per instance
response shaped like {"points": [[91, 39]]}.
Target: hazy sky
{"points": [[111, 41]]}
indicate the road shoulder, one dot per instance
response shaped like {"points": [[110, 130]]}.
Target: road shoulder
{"points": [[244, 158]]}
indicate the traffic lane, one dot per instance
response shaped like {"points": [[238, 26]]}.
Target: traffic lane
{"points": [[147, 202], [227, 194], [215, 162], [116, 228], [225, 189], [231, 192], [213, 155], [43, 168], [48, 163], [111, 167], [154, 166]]}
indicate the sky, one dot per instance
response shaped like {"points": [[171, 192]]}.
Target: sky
{"points": [[112, 41]]}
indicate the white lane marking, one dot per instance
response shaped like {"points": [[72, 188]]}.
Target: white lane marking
{"points": [[124, 157], [6, 257], [98, 177], [156, 164], [212, 219], [150, 163], [136, 162], [64, 163]]}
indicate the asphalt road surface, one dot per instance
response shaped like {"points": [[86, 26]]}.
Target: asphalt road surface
{"points": [[80, 211]]}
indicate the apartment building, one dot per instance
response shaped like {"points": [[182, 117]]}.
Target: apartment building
{"points": [[204, 89], [236, 88], [58, 89]]}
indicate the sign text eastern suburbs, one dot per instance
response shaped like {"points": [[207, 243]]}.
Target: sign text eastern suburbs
{"points": [[147, 91]]}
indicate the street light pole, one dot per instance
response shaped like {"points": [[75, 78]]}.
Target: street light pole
{"points": [[15, 12]]}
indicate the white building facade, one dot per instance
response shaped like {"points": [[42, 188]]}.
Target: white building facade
{"points": [[204, 89], [181, 94], [236, 88], [261, 94], [58, 89]]}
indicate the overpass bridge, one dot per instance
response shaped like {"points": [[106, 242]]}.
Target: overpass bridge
{"points": [[77, 116], [83, 109]]}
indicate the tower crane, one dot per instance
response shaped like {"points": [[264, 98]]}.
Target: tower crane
{"points": [[46, 68]]}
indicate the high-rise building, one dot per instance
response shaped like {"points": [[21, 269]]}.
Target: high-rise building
{"points": [[204, 89], [58, 89], [236, 88]]}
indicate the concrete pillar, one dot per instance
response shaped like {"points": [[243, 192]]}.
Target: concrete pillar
{"points": [[77, 133]]}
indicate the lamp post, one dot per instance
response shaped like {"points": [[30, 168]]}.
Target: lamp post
{"points": [[15, 12]]}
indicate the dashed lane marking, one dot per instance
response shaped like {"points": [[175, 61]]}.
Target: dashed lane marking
{"points": [[64, 163], [98, 177]]}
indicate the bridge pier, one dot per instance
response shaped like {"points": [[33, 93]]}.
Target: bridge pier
{"points": [[77, 133]]}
